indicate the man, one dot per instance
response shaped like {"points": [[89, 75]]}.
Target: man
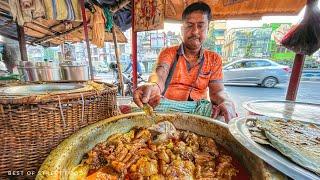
{"points": [[129, 67], [185, 72]]}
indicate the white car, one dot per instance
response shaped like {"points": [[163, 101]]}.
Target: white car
{"points": [[262, 72]]}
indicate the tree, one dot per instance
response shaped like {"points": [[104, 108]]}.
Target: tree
{"points": [[249, 48], [209, 43]]}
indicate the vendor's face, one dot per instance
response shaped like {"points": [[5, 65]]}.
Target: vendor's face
{"points": [[194, 30]]}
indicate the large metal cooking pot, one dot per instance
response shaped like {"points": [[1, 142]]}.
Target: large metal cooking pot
{"points": [[48, 71], [28, 70], [74, 71], [69, 153]]}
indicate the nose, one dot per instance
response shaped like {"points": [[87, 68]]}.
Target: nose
{"points": [[195, 29]]}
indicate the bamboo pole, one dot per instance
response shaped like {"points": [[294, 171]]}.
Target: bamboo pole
{"points": [[22, 43], [134, 49], [85, 29], [118, 60]]}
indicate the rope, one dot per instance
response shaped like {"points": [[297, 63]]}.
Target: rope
{"points": [[82, 111], [61, 112]]}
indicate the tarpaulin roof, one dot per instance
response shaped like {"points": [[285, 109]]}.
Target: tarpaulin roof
{"points": [[48, 32], [229, 9], [221, 9]]}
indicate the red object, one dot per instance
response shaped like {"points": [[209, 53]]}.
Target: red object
{"points": [[134, 50], [295, 77], [85, 29], [287, 69]]}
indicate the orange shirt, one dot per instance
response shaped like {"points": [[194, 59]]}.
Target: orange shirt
{"points": [[184, 82]]}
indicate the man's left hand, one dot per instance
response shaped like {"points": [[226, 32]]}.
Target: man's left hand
{"points": [[225, 109]]}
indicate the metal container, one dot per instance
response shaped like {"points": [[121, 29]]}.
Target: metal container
{"points": [[301, 111], [69, 153], [74, 71], [28, 71], [48, 71], [240, 131]]}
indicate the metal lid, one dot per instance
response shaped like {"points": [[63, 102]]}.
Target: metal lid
{"points": [[26, 64], [37, 89], [73, 63], [306, 112], [47, 64]]}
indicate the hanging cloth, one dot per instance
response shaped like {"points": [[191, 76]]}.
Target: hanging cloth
{"points": [[109, 19], [26, 10], [98, 27]]}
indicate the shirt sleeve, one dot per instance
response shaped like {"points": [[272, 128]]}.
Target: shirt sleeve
{"points": [[216, 75], [166, 56]]}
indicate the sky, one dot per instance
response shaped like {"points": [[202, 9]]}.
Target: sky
{"points": [[247, 23]]}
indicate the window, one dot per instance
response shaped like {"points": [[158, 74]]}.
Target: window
{"points": [[239, 65], [258, 63], [219, 32], [263, 63]]}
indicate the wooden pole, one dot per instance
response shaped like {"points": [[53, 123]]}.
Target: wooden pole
{"points": [[85, 29], [118, 60], [22, 43], [134, 49], [295, 77]]}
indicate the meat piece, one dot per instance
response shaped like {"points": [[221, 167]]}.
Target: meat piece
{"points": [[225, 169], [201, 158], [127, 158], [132, 160], [164, 156], [208, 145], [118, 166], [122, 154], [135, 176], [143, 133]]}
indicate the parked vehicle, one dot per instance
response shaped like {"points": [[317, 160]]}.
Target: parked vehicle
{"points": [[262, 72], [127, 80]]}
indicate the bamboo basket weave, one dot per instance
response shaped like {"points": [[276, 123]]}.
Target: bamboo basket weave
{"points": [[32, 125]]}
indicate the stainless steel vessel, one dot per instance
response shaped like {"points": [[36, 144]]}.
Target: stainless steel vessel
{"points": [[48, 71], [74, 71], [28, 71]]}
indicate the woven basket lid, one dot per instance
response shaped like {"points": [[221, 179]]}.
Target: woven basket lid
{"points": [[40, 89]]}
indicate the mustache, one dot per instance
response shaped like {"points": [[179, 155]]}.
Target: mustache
{"points": [[194, 37]]}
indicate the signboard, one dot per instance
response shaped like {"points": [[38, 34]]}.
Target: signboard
{"points": [[148, 15]]}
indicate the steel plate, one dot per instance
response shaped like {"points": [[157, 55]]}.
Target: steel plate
{"points": [[306, 112], [37, 89], [270, 155]]}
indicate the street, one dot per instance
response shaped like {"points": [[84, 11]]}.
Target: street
{"points": [[308, 92]]}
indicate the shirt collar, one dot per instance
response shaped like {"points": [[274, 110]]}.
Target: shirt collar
{"points": [[181, 51]]}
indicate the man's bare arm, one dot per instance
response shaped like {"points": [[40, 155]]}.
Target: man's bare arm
{"points": [[160, 75], [217, 94]]}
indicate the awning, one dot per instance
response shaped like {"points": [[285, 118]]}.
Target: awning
{"points": [[238, 9]]}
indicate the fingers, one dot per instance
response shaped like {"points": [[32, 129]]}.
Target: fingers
{"points": [[216, 112], [146, 94], [227, 116], [154, 101], [137, 97]]}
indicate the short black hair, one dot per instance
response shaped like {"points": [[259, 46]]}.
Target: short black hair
{"points": [[197, 6]]}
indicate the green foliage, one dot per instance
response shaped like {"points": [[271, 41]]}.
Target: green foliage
{"points": [[210, 41]]}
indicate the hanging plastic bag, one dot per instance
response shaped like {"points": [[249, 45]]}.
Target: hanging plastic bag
{"points": [[304, 38]]}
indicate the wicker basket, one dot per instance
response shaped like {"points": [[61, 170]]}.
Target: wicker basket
{"points": [[32, 125]]}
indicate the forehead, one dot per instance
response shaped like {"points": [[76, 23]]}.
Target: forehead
{"points": [[196, 17]]}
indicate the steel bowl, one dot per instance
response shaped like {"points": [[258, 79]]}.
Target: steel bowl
{"points": [[69, 153]]}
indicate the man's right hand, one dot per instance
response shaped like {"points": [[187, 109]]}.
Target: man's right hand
{"points": [[147, 93]]}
